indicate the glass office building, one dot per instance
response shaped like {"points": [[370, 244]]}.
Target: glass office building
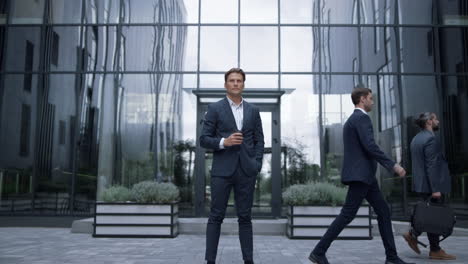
{"points": [[101, 92]]}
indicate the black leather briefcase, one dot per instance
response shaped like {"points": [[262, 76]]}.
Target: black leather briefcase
{"points": [[433, 218]]}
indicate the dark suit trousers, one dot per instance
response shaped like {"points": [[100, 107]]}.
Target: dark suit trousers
{"points": [[357, 192], [244, 187], [433, 238]]}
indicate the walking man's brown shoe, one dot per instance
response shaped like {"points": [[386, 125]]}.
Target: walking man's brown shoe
{"points": [[412, 242], [441, 255]]}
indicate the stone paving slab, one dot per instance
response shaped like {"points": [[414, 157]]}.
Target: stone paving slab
{"points": [[58, 245]]}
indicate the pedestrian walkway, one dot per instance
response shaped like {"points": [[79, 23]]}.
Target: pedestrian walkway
{"points": [[59, 246]]}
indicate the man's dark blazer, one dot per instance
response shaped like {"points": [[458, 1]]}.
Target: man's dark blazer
{"points": [[430, 169], [219, 123], [361, 153]]}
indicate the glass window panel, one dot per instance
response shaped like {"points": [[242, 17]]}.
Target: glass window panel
{"points": [[185, 148], [296, 49], [18, 108], [3, 13], [64, 43], [215, 81], [452, 49], [415, 50], [103, 40], [26, 12], [337, 107], [259, 48], [191, 11], [261, 81], [387, 101], [298, 11], [145, 52], [105, 11], [65, 11], [189, 81], [108, 11], [415, 12], [378, 11], [415, 86], [338, 12], [339, 49], [62, 104], [259, 11], [339, 84], [215, 11], [154, 11], [93, 11], [373, 59], [300, 129], [218, 48], [23, 46], [453, 127], [191, 49], [136, 115]]}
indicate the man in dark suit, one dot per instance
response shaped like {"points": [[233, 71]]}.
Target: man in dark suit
{"points": [[431, 177], [233, 129], [361, 155]]}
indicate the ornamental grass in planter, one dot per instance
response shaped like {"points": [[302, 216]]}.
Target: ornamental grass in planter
{"points": [[148, 209]]}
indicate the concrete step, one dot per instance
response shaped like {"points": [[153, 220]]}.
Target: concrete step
{"points": [[276, 227]]}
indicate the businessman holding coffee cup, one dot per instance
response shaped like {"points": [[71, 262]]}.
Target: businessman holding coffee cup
{"points": [[233, 129]]}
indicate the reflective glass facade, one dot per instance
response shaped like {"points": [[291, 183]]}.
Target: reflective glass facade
{"points": [[99, 92]]}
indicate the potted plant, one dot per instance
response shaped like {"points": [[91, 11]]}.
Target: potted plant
{"points": [[148, 209], [314, 206]]}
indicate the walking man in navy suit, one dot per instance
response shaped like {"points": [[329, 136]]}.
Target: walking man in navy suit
{"points": [[233, 129], [361, 155]]}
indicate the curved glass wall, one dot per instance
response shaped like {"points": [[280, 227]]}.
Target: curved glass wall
{"points": [[95, 93]]}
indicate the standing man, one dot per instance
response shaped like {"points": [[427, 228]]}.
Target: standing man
{"points": [[233, 129], [361, 155], [431, 177]]}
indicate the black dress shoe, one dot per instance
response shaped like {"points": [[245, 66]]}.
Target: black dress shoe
{"points": [[210, 262], [248, 262], [318, 259], [397, 261]]}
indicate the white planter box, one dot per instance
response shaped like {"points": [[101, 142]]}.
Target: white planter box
{"points": [[311, 222], [136, 220]]}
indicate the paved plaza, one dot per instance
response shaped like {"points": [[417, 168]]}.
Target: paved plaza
{"points": [[57, 245]]}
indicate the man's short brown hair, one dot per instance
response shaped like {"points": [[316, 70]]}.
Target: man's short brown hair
{"points": [[234, 70], [358, 92]]}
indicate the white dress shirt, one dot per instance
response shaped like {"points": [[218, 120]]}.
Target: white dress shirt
{"points": [[238, 113], [364, 111]]}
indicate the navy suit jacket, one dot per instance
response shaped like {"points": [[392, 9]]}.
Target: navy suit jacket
{"points": [[361, 153], [219, 123], [430, 169]]}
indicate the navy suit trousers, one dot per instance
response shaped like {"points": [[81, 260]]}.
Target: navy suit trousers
{"points": [[244, 186], [357, 192]]}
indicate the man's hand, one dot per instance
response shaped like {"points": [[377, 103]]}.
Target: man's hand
{"points": [[233, 140], [436, 195], [399, 170]]}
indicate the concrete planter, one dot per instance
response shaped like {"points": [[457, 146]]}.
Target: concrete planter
{"points": [[311, 222], [136, 220]]}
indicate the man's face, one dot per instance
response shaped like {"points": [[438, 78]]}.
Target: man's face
{"points": [[434, 122], [234, 84], [368, 102]]}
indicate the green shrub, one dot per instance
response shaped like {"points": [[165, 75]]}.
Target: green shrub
{"points": [[116, 194], [153, 192], [314, 193]]}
